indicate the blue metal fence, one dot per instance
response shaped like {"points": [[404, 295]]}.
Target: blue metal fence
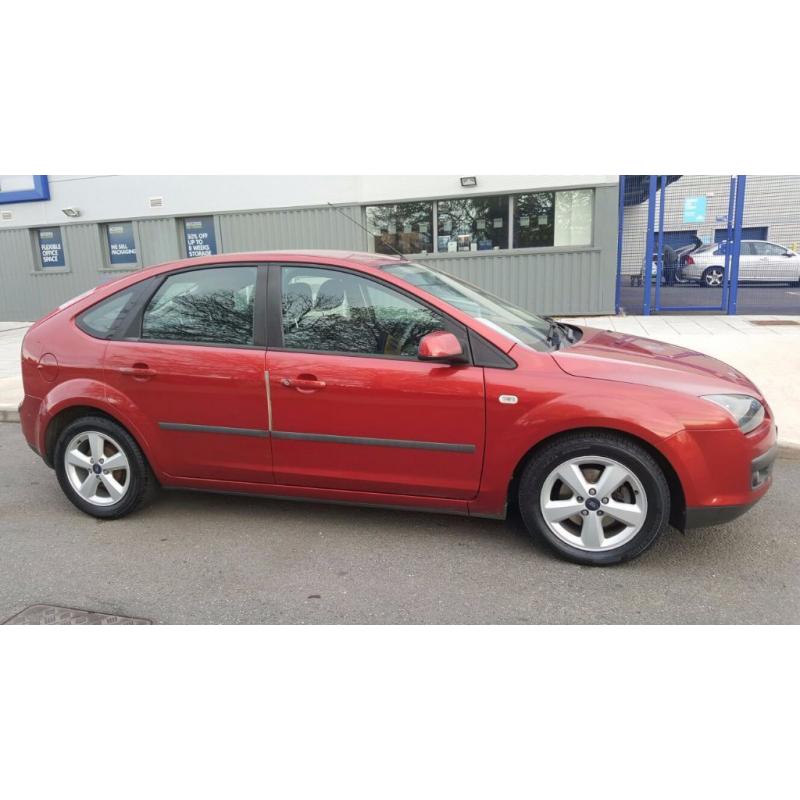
{"points": [[709, 244]]}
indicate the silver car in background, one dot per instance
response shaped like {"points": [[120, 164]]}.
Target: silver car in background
{"points": [[758, 261]]}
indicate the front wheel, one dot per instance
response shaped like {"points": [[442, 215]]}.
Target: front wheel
{"points": [[101, 468], [596, 498]]}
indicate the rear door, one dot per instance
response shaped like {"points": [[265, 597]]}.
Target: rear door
{"points": [[192, 362], [352, 406]]}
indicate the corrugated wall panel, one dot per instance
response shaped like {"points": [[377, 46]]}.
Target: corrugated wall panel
{"points": [[547, 283], [159, 241], [301, 228]]}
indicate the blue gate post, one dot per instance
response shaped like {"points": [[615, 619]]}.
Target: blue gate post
{"points": [[621, 222], [660, 253], [737, 243], [648, 257], [726, 280]]}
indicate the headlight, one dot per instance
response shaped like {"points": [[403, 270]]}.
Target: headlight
{"points": [[746, 410]]}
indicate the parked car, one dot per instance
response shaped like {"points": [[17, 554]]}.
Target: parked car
{"points": [[758, 261], [672, 269], [367, 379]]}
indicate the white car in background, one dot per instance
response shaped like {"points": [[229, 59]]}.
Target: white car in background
{"points": [[758, 261]]}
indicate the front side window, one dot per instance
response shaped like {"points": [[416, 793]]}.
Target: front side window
{"points": [[206, 306], [332, 311], [767, 249], [473, 223], [513, 321], [401, 228]]}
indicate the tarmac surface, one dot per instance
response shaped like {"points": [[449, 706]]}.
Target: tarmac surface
{"points": [[202, 558]]}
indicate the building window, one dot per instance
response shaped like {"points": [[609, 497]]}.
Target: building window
{"points": [[199, 237], [534, 219], [51, 248], [401, 228], [474, 223], [121, 244], [553, 219], [574, 217]]}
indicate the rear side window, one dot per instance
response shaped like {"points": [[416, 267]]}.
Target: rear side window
{"points": [[206, 306], [102, 320]]}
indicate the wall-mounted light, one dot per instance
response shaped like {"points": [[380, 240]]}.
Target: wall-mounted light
{"points": [[469, 182], [71, 211]]}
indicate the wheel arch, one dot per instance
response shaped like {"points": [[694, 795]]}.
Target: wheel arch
{"points": [[68, 414], [677, 497]]}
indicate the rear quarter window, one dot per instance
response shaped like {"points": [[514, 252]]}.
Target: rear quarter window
{"points": [[101, 320]]}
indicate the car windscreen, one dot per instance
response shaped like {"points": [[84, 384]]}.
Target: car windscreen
{"points": [[515, 322]]}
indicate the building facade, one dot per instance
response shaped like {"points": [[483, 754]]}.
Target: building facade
{"points": [[548, 243]]}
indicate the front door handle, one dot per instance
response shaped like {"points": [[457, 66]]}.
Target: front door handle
{"points": [[303, 384]]}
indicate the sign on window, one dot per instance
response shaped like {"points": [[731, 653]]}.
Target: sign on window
{"points": [[51, 248], [201, 239], [121, 244]]}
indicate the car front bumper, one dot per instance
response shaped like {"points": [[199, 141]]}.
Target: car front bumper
{"points": [[760, 478]]}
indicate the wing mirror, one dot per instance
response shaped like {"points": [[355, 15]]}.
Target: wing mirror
{"points": [[441, 346]]}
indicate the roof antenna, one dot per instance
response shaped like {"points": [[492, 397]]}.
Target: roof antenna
{"points": [[366, 230]]}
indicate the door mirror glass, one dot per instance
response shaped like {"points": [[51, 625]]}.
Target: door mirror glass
{"points": [[441, 346]]}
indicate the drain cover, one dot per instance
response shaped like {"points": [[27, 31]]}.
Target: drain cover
{"points": [[55, 615], [774, 322]]}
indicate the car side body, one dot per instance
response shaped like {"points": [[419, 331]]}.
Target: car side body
{"points": [[400, 432], [759, 261]]}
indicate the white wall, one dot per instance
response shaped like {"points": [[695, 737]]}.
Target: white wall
{"points": [[109, 197]]}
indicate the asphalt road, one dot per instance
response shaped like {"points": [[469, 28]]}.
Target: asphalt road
{"points": [[196, 558], [770, 298]]}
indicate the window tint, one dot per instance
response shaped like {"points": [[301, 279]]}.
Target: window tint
{"points": [[534, 219], [100, 320], [208, 306], [766, 249], [329, 310]]}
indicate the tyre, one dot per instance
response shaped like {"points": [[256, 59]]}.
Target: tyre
{"points": [[712, 277], [101, 469], [595, 498]]}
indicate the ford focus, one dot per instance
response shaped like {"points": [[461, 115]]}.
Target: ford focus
{"points": [[371, 380]]}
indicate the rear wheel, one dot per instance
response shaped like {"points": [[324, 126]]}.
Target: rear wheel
{"points": [[596, 498], [712, 277], [101, 469]]}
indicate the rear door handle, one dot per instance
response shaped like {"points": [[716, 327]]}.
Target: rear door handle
{"points": [[138, 371], [303, 384]]}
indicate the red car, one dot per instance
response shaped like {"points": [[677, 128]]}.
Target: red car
{"points": [[361, 378]]}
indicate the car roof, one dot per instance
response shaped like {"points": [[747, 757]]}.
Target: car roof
{"points": [[352, 257]]}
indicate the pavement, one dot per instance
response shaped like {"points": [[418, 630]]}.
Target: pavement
{"points": [[202, 558], [768, 354]]}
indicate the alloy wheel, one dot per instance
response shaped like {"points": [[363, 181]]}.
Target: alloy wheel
{"points": [[714, 277], [593, 503], [97, 468]]}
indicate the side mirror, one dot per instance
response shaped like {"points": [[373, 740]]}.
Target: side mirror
{"points": [[441, 346]]}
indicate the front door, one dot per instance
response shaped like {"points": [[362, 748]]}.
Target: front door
{"points": [[194, 370], [352, 406]]}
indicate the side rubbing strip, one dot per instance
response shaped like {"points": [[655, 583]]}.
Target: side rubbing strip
{"points": [[182, 426], [404, 443]]}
